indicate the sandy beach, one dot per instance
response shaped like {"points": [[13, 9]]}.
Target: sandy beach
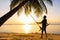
{"points": [[30, 36]]}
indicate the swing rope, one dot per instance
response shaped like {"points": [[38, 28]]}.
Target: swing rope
{"points": [[35, 21]]}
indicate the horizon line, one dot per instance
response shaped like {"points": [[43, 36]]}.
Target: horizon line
{"points": [[28, 24]]}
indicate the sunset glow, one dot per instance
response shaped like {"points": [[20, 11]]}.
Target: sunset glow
{"points": [[26, 28], [25, 19]]}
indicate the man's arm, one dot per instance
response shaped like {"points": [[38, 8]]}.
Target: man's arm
{"points": [[47, 24]]}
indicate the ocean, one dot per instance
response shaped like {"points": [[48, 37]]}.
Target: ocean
{"points": [[55, 29]]}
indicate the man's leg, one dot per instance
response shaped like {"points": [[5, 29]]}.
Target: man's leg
{"points": [[45, 33], [42, 34]]}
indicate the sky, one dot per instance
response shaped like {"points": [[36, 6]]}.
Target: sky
{"points": [[53, 11], [53, 15]]}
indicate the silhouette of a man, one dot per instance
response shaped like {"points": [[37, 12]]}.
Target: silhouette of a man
{"points": [[43, 28]]}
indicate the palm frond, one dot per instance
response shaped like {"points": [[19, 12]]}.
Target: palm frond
{"points": [[43, 6], [14, 3], [38, 12], [19, 11], [38, 8], [27, 7], [38, 5], [49, 2]]}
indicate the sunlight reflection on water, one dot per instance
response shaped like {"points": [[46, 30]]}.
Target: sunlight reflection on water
{"points": [[33, 28]]}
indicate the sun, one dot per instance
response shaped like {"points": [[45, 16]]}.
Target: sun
{"points": [[26, 28]]}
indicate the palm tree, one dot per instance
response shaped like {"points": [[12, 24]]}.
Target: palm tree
{"points": [[39, 6]]}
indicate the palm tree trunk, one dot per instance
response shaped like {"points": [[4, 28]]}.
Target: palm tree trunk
{"points": [[10, 13]]}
